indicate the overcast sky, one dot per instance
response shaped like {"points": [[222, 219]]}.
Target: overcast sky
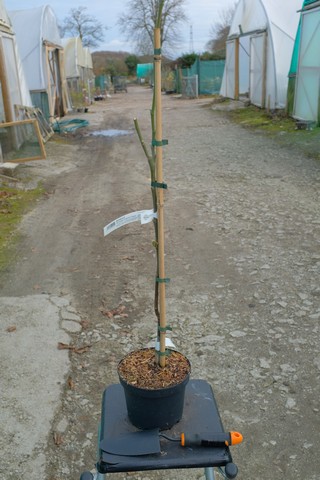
{"points": [[202, 14]]}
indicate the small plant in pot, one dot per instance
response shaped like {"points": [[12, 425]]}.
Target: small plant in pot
{"points": [[154, 379]]}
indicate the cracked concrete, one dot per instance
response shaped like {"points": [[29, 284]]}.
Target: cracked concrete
{"points": [[32, 376]]}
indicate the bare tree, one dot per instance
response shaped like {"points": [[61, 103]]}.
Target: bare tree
{"points": [[139, 20], [220, 30], [80, 24]]}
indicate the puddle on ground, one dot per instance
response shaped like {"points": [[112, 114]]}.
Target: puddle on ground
{"points": [[111, 133]]}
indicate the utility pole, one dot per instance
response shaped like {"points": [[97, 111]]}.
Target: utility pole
{"points": [[191, 46]]}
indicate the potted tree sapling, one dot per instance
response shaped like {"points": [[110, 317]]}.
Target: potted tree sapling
{"points": [[154, 379]]}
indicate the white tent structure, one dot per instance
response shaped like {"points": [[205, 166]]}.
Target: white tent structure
{"points": [[41, 52], [13, 85], [88, 62], [259, 51], [307, 87], [89, 75], [78, 67]]}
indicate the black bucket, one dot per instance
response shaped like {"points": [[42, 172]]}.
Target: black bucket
{"points": [[158, 408]]}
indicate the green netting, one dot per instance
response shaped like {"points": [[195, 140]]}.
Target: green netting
{"points": [[294, 63], [295, 54], [209, 73], [102, 82], [144, 70], [64, 126], [302, 99], [290, 94], [293, 71]]}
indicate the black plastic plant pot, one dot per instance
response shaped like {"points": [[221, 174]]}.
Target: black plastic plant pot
{"points": [[154, 408]]}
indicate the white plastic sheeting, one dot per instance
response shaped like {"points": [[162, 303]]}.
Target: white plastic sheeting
{"points": [[257, 69], [88, 58], [269, 27], [78, 69], [73, 57], [12, 68], [307, 95], [4, 19], [41, 50], [33, 27], [228, 79], [77, 59]]}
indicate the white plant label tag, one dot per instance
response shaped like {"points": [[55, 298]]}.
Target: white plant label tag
{"points": [[169, 344], [142, 216]]}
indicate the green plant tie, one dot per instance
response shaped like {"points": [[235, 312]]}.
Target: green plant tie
{"points": [[157, 51], [165, 329], [159, 185], [164, 354], [163, 280], [159, 143]]}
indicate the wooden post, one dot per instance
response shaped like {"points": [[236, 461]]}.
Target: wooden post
{"points": [[236, 68], [62, 87], [51, 81], [264, 72], [160, 196]]}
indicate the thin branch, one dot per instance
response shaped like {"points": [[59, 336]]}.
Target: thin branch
{"points": [[152, 165]]}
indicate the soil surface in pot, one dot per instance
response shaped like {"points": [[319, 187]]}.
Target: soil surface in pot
{"points": [[141, 369]]}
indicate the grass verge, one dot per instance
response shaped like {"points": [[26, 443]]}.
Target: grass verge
{"points": [[14, 203], [280, 126]]}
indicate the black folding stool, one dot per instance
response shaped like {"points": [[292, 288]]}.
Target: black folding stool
{"points": [[200, 415]]}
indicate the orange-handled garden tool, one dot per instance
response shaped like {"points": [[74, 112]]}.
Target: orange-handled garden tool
{"points": [[210, 439]]}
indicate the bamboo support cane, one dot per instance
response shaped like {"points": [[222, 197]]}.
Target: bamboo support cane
{"points": [[160, 197]]}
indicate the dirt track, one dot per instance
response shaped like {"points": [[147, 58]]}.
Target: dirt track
{"points": [[243, 256]]}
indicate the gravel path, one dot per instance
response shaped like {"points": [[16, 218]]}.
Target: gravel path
{"points": [[243, 254]]}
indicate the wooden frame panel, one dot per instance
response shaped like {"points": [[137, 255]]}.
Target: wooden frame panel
{"points": [[15, 140]]}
